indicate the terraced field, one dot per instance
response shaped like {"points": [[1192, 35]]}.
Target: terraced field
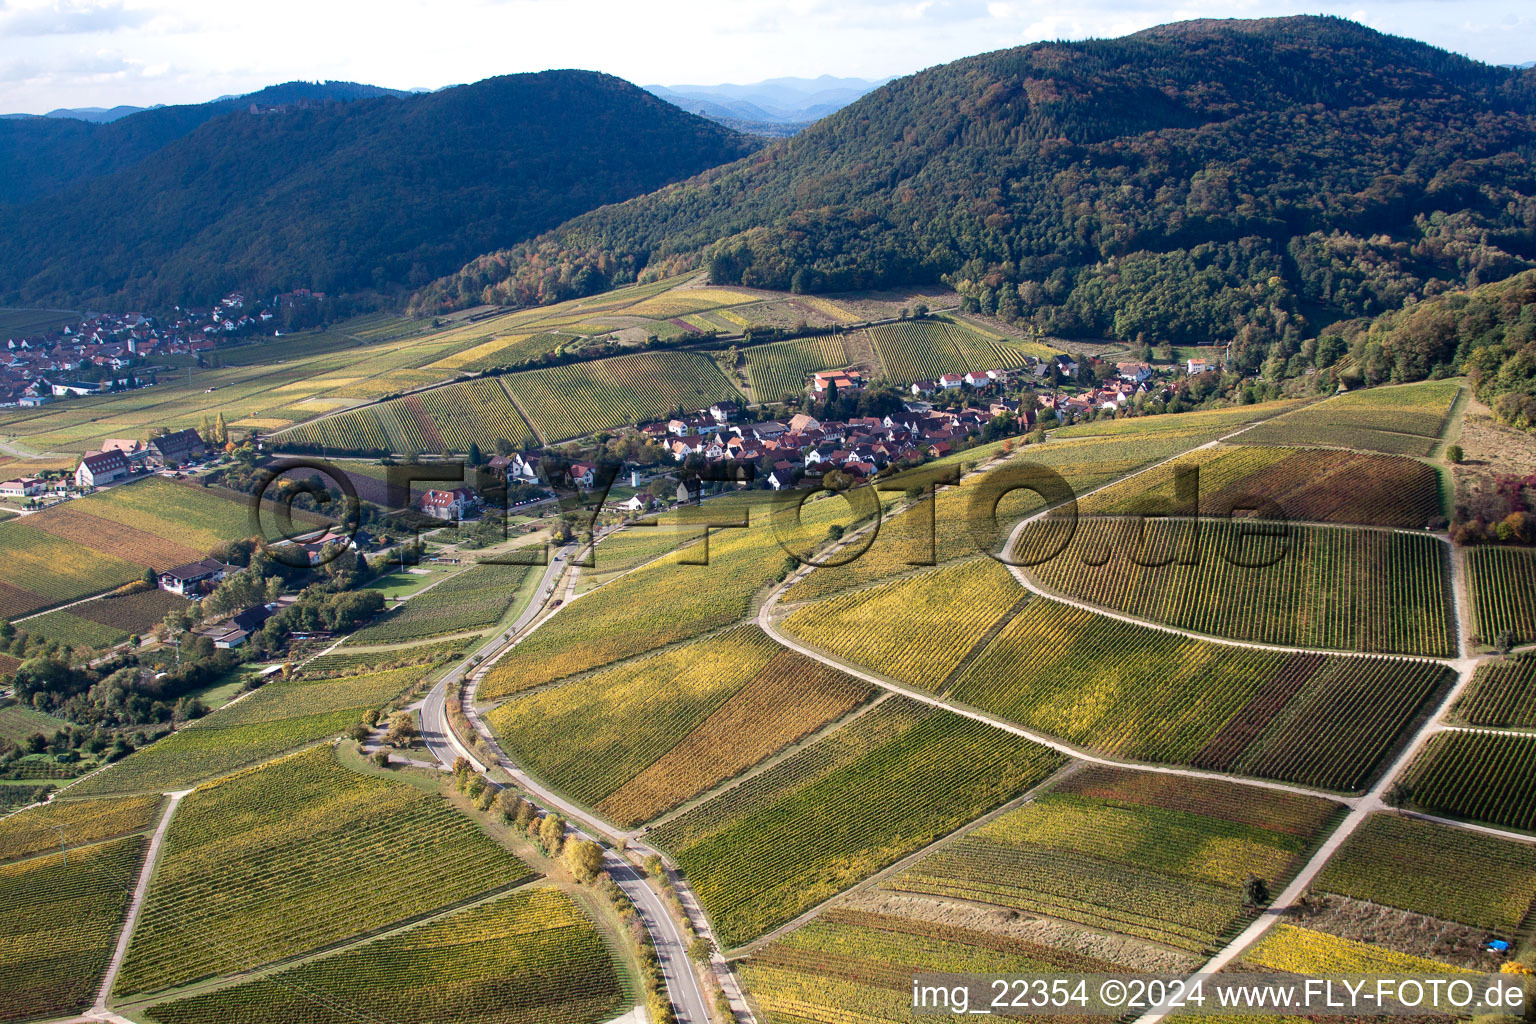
{"points": [[1299, 586], [529, 958], [1448, 873], [890, 783], [60, 925], [291, 856], [1404, 420], [1170, 874], [582, 398]]}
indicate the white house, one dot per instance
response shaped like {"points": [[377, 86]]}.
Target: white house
{"points": [[448, 504], [101, 468], [23, 487], [1198, 366], [950, 381]]}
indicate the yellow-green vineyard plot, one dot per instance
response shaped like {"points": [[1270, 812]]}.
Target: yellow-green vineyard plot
{"points": [[889, 783], [279, 717], [918, 629], [75, 822], [476, 412], [59, 925], [618, 721], [915, 350], [858, 966], [692, 300], [656, 605], [1123, 862], [1407, 419], [1449, 873], [1301, 586], [532, 957], [1304, 951], [474, 599], [294, 855], [582, 398], [38, 569], [1503, 584], [628, 549], [1307, 485], [780, 368], [960, 526], [791, 697], [1134, 692]]}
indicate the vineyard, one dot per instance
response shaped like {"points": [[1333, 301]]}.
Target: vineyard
{"points": [[445, 419], [1304, 951], [787, 700], [856, 966], [38, 569], [889, 783], [199, 517], [1171, 875], [291, 856], [780, 368], [926, 349], [1502, 693], [1503, 585], [618, 721], [476, 598], [347, 662], [628, 548], [59, 927], [529, 958], [654, 606], [1140, 693], [36, 830], [68, 522], [1307, 485], [916, 630], [1448, 873], [279, 717], [582, 398], [679, 301], [1403, 420], [106, 620], [1479, 776], [1302, 586]]}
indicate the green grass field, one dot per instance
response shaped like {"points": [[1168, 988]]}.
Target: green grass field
{"points": [[306, 852], [474, 599]]}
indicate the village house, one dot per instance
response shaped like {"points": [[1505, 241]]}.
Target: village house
{"points": [[22, 487], [448, 505], [96, 470], [840, 380], [189, 579], [175, 449], [1195, 367]]}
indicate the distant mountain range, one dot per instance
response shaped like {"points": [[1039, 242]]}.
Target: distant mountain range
{"points": [[776, 101], [95, 115], [333, 186]]}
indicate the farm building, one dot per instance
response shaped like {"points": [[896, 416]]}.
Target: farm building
{"points": [[101, 468], [187, 579], [23, 487], [176, 448]]}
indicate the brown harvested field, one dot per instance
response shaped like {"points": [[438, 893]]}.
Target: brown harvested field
{"points": [[1490, 450], [790, 698], [1402, 930], [114, 539], [132, 612], [15, 601]]}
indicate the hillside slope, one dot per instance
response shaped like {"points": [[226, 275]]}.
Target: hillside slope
{"points": [[1210, 178], [372, 194]]}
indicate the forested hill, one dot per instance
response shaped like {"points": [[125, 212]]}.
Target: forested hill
{"points": [[1207, 179], [42, 155], [378, 193]]}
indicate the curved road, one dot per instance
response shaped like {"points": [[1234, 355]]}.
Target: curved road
{"points": [[683, 986]]}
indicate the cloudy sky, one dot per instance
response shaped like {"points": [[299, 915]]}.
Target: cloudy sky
{"points": [[75, 53]]}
